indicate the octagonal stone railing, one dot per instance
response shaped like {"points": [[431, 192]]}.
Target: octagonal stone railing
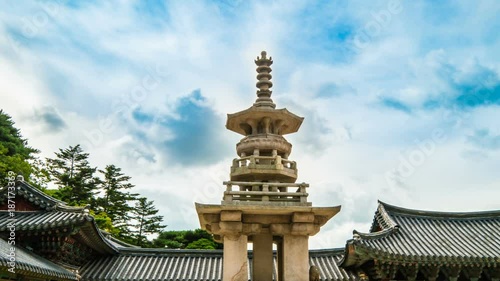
{"points": [[282, 169], [266, 192]]}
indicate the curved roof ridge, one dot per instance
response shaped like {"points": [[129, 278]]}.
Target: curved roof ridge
{"points": [[328, 250], [437, 214], [117, 243], [386, 224], [41, 199], [40, 193], [100, 234], [73, 209], [382, 219], [141, 251], [374, 235], [385, 216]]}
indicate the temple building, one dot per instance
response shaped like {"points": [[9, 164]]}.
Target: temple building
{"points": [[262, 205], [406, 244]]}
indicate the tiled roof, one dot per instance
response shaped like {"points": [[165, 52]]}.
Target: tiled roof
{"points": [[42, 220], [39, 221], [426, 237], [144, 264], [161, 264], [38, 198], [54, 214], [327, 261], [28, 263]]}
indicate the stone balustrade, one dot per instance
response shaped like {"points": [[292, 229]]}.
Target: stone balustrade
{"points": [[289, 164], [266, 192], [264, 162]]}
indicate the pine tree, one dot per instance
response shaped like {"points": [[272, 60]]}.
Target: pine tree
{"points": [[14, 150], [74, 176], [40, 175], [115, 200], [147, 220]]}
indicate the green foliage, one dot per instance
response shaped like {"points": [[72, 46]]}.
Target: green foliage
{"points": [[15, 163], [202, 243], [14, 150], [171, 239], [40, 175], [72, 173], [115, 200], [105, 223], [172, 244], [186, 239], [148, 222], [51, 192], [11, 138]]}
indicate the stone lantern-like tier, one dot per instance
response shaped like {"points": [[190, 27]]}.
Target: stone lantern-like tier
{"points": [[262, 203], [263, 152]]}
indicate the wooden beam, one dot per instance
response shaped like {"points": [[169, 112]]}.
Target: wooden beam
{"points": [[472, 272], [431, 272], [451, 272], [492, 272], [410, 271]]}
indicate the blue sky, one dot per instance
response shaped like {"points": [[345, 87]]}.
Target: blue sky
{"points": [[401, 99]]}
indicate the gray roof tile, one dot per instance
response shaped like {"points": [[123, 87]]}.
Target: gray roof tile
{"points": [[160, 264], [423, 236], [39, 221], [37, 197], [42, 220], [32, 264]]}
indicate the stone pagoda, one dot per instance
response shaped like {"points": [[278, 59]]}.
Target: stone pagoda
{"points": [[262, 203]]}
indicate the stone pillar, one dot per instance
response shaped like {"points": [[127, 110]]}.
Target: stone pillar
{"points": [[279, 257], [267, 124], [262, 257], [235, 264], [295, 257]]}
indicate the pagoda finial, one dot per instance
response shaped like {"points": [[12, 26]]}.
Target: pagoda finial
{"points": [[264, 84]]}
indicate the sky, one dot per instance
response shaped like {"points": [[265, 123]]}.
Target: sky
{"points": [[401, 99]]}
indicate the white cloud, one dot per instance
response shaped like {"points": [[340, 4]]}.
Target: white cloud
{"points": [[86, 62]]}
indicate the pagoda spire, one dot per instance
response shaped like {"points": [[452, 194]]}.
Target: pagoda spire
{"points": [[262, 203], [264, 83]]}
